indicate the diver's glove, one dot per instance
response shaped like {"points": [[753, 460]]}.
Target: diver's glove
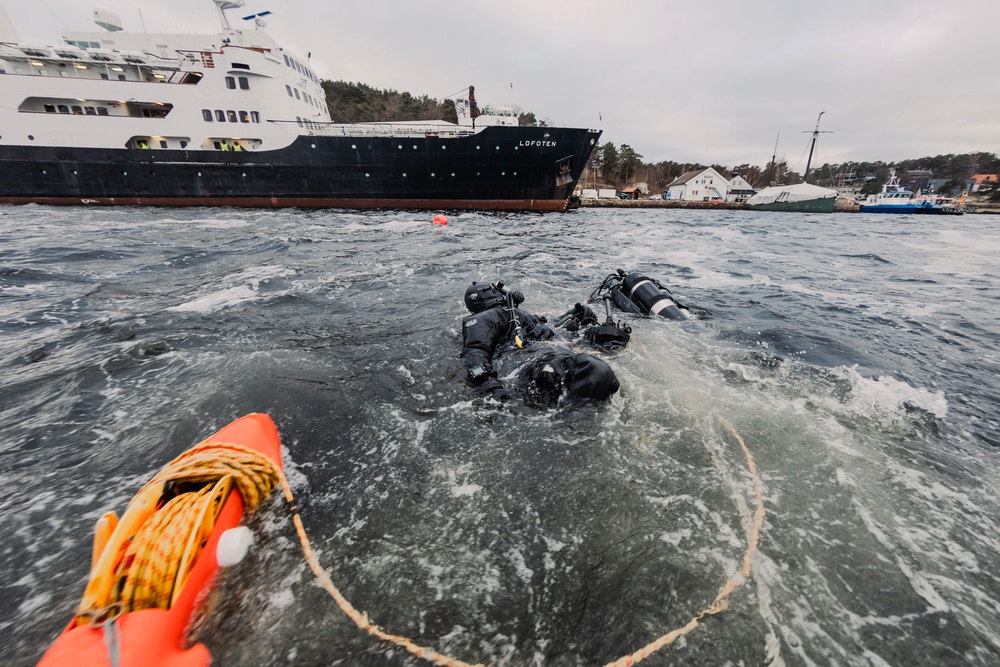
{"points": [[576, 319]]}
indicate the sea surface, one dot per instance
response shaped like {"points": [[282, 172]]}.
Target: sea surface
{"points": [[855, 356]]}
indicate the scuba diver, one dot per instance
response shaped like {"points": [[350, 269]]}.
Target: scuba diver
{"points": [[554, 375]]}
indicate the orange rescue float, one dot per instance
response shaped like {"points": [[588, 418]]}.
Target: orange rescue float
{"points": [[153, 568]]}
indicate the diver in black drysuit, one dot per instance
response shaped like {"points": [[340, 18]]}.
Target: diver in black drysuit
{"points": [[554, 375]]}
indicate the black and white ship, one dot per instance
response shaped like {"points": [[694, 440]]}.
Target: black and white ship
{"points": [[234, 119]]}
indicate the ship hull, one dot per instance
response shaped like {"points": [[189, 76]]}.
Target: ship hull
{"points": [[825, 205], [498, 168]]}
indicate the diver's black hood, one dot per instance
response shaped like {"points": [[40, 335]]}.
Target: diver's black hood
{"points": [[566, 376], [480, 297]]}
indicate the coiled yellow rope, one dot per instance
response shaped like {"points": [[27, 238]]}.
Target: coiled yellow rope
{"points": [[155, 562]]}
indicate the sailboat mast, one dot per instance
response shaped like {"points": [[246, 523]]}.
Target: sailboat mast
{"points": [[812, 147], [771, 168]]}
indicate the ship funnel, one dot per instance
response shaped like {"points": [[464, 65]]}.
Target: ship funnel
{"points": [[107, 19]]}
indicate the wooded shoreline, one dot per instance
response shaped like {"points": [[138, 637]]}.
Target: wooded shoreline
{"points": [[839, 207]]}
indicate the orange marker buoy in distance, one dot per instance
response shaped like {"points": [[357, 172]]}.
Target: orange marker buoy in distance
{"points": [[440, 219]]}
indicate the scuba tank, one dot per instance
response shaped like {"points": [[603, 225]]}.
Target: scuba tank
{"points": [[640, 295], [645, 296]]}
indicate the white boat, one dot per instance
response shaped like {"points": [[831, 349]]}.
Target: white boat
{"points": [[894, 198]]}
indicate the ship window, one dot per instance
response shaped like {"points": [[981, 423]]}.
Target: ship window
{"points": [[230, 83], [244, 83], [244, 117], [184, 143], [288, 89], [63, 108], [101, 111], [121, 77], [297, 93], [163, 143], [50, 108], [255, 116], [90, 111], [231, 115], [241, 66], [220, 115], [287, 64], [207, 115], [104, 75]]}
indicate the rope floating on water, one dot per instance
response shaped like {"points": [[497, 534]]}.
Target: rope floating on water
{"points": [[719, 604]]}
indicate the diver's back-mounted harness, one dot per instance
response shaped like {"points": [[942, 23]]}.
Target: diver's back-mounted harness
{"points": [[637, 294], [609, 336]]}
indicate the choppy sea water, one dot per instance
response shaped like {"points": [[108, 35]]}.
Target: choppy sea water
{"points": [[855, 355]]}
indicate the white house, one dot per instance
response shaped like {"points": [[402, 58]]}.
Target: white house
{"points": [[698, 186], [739, 189]]}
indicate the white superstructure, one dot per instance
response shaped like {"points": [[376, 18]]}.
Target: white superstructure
{"points": [[235, 89]]}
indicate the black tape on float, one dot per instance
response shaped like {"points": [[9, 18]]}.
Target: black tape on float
{"points": [[650, 297]]}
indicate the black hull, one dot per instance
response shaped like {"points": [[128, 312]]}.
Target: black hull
{"points": [[501, 168]]}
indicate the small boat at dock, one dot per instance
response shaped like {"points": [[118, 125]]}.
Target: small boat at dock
{"points": [[894, 198]]}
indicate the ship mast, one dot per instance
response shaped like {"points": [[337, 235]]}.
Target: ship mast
{"points": [[812, 146], [221, 6]]}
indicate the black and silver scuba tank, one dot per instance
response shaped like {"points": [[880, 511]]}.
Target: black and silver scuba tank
{"points": [[646, 297]]}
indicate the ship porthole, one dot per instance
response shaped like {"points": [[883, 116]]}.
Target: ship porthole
{"points": [[503, 173], [414, 147], [477, 148], [74, 172], [515, 147], [199, 174], [453, 174], [432, 174], [591, 142], [367, 174], [400, 146], [443, 147], [498, 148], [354, 146], [313, 145], [124, 173], [44, 172], [244, 174], [31, 137], [515, 173], [404, 174]]}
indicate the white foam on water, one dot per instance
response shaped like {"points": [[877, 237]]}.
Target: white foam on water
{"points": [[250, 280], [217, 300]]}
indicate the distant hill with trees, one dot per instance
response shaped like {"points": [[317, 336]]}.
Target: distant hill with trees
{"points": [[622, 165], [360, 103]]}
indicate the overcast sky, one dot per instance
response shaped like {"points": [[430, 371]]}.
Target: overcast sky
{"points": [[710, 82]]}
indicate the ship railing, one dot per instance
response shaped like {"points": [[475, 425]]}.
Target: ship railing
{"points": [[401, 130]]}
